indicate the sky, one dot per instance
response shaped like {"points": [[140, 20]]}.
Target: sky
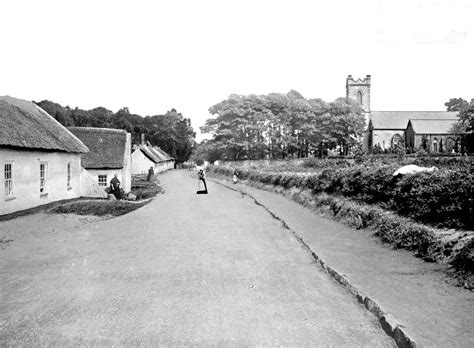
{"points": [[152, 56]]}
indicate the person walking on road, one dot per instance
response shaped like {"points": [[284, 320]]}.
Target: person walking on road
{"points": [[201, 177]]}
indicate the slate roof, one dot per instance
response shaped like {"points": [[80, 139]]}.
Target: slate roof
{"points": [[23, 124], [433, 126], [107, 147], [399, 119]]}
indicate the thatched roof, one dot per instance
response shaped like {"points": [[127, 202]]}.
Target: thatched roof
{"points": [[399, 119], [107, 147], [163, 154], [147, 151], [433, 126], [23, 124]]}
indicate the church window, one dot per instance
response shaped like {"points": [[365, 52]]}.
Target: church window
{"points": [[359, 97]]}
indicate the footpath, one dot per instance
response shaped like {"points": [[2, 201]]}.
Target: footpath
{"points": [[412, 299]]}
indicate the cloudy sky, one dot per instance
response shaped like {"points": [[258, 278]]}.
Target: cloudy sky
{"points": [[152, 56]]}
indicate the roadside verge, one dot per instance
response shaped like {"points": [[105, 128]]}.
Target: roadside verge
{"points": [[390, 284]]}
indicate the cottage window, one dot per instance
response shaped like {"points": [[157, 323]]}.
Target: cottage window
{"points": [[42, 177], [103, 180], [8, 176], [69, 175]]}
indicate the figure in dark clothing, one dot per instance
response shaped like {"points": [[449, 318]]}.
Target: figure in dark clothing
{"points": [[151, 173], [201, 177], [115, 187]]}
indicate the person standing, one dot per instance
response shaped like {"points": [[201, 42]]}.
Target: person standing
{"points": [[235, 177], [115, 187], [201, 177]]}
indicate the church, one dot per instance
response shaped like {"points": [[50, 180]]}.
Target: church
{"points": [[430, 130]]}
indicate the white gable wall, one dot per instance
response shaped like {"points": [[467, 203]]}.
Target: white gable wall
{"points": [[127, 165], [26, 178], [140, 163]]}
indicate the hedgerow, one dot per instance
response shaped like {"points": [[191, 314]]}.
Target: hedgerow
{"points": [[440, 199]]}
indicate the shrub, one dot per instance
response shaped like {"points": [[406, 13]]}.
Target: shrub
{"points": [[442, 199]]}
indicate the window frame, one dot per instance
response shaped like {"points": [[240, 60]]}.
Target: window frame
{"points": [[44, 177], [10, 192], [104, 183], [69, 175]]}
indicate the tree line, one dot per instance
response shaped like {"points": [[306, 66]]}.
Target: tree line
{"points": [[171, 132], [465, 126], [280, 125]]}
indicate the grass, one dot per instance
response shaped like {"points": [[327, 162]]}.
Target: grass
{"points": [[141, 188], [98, 208], [425, 242], [144, 189]]}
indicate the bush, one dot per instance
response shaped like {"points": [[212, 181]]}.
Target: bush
{"points": [[99, 208], [441, 199]]}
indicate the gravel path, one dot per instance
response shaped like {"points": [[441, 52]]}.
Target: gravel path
{"points": [[186, 269]]}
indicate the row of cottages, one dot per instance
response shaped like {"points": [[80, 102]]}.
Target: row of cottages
{"points": [[431, 130], [42, 161], [145, 156], [39, 158], [110, 154]]}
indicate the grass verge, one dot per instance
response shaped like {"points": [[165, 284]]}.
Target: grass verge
{"points": [[98, 208], [450, 247]]}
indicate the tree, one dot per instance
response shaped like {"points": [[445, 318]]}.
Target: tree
{"points": [[172, 132], [344, 123], [465, 126], [61, 114], [281, 125], [456, 104]]}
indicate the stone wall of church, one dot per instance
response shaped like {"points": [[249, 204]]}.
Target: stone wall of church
{"points": [[384, 137], [435, 142]]}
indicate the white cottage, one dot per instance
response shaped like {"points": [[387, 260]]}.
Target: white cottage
{"points": [[168, 160], [40, 159], [110, 154], [146, 156]]}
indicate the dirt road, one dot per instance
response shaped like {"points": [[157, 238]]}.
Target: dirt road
{"points": [[186, 269]]}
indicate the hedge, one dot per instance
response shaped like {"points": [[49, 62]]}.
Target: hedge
{"points": [[441, 199]]}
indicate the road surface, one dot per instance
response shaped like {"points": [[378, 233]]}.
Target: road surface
{"points": [[185, 269]]}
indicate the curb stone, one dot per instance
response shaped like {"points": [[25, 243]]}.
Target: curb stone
{"points": [[390, 325]]}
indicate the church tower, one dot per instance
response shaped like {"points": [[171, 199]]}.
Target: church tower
{"points": [[359, 90]]}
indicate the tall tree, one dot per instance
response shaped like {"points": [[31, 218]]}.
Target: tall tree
{"points": [[465, 126]]}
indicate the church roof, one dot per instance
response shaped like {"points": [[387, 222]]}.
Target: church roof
{"points": [[399, 119], [433, 126], [23, 124]]}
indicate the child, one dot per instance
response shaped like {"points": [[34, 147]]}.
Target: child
{"points": [[235, 178]]}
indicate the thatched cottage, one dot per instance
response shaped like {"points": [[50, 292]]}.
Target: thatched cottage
{"points": [[145, 156], [40, 159], [110, 154], [168, 159]]}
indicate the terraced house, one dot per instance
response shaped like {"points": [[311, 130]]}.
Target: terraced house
{"points": [[40, 159]]}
